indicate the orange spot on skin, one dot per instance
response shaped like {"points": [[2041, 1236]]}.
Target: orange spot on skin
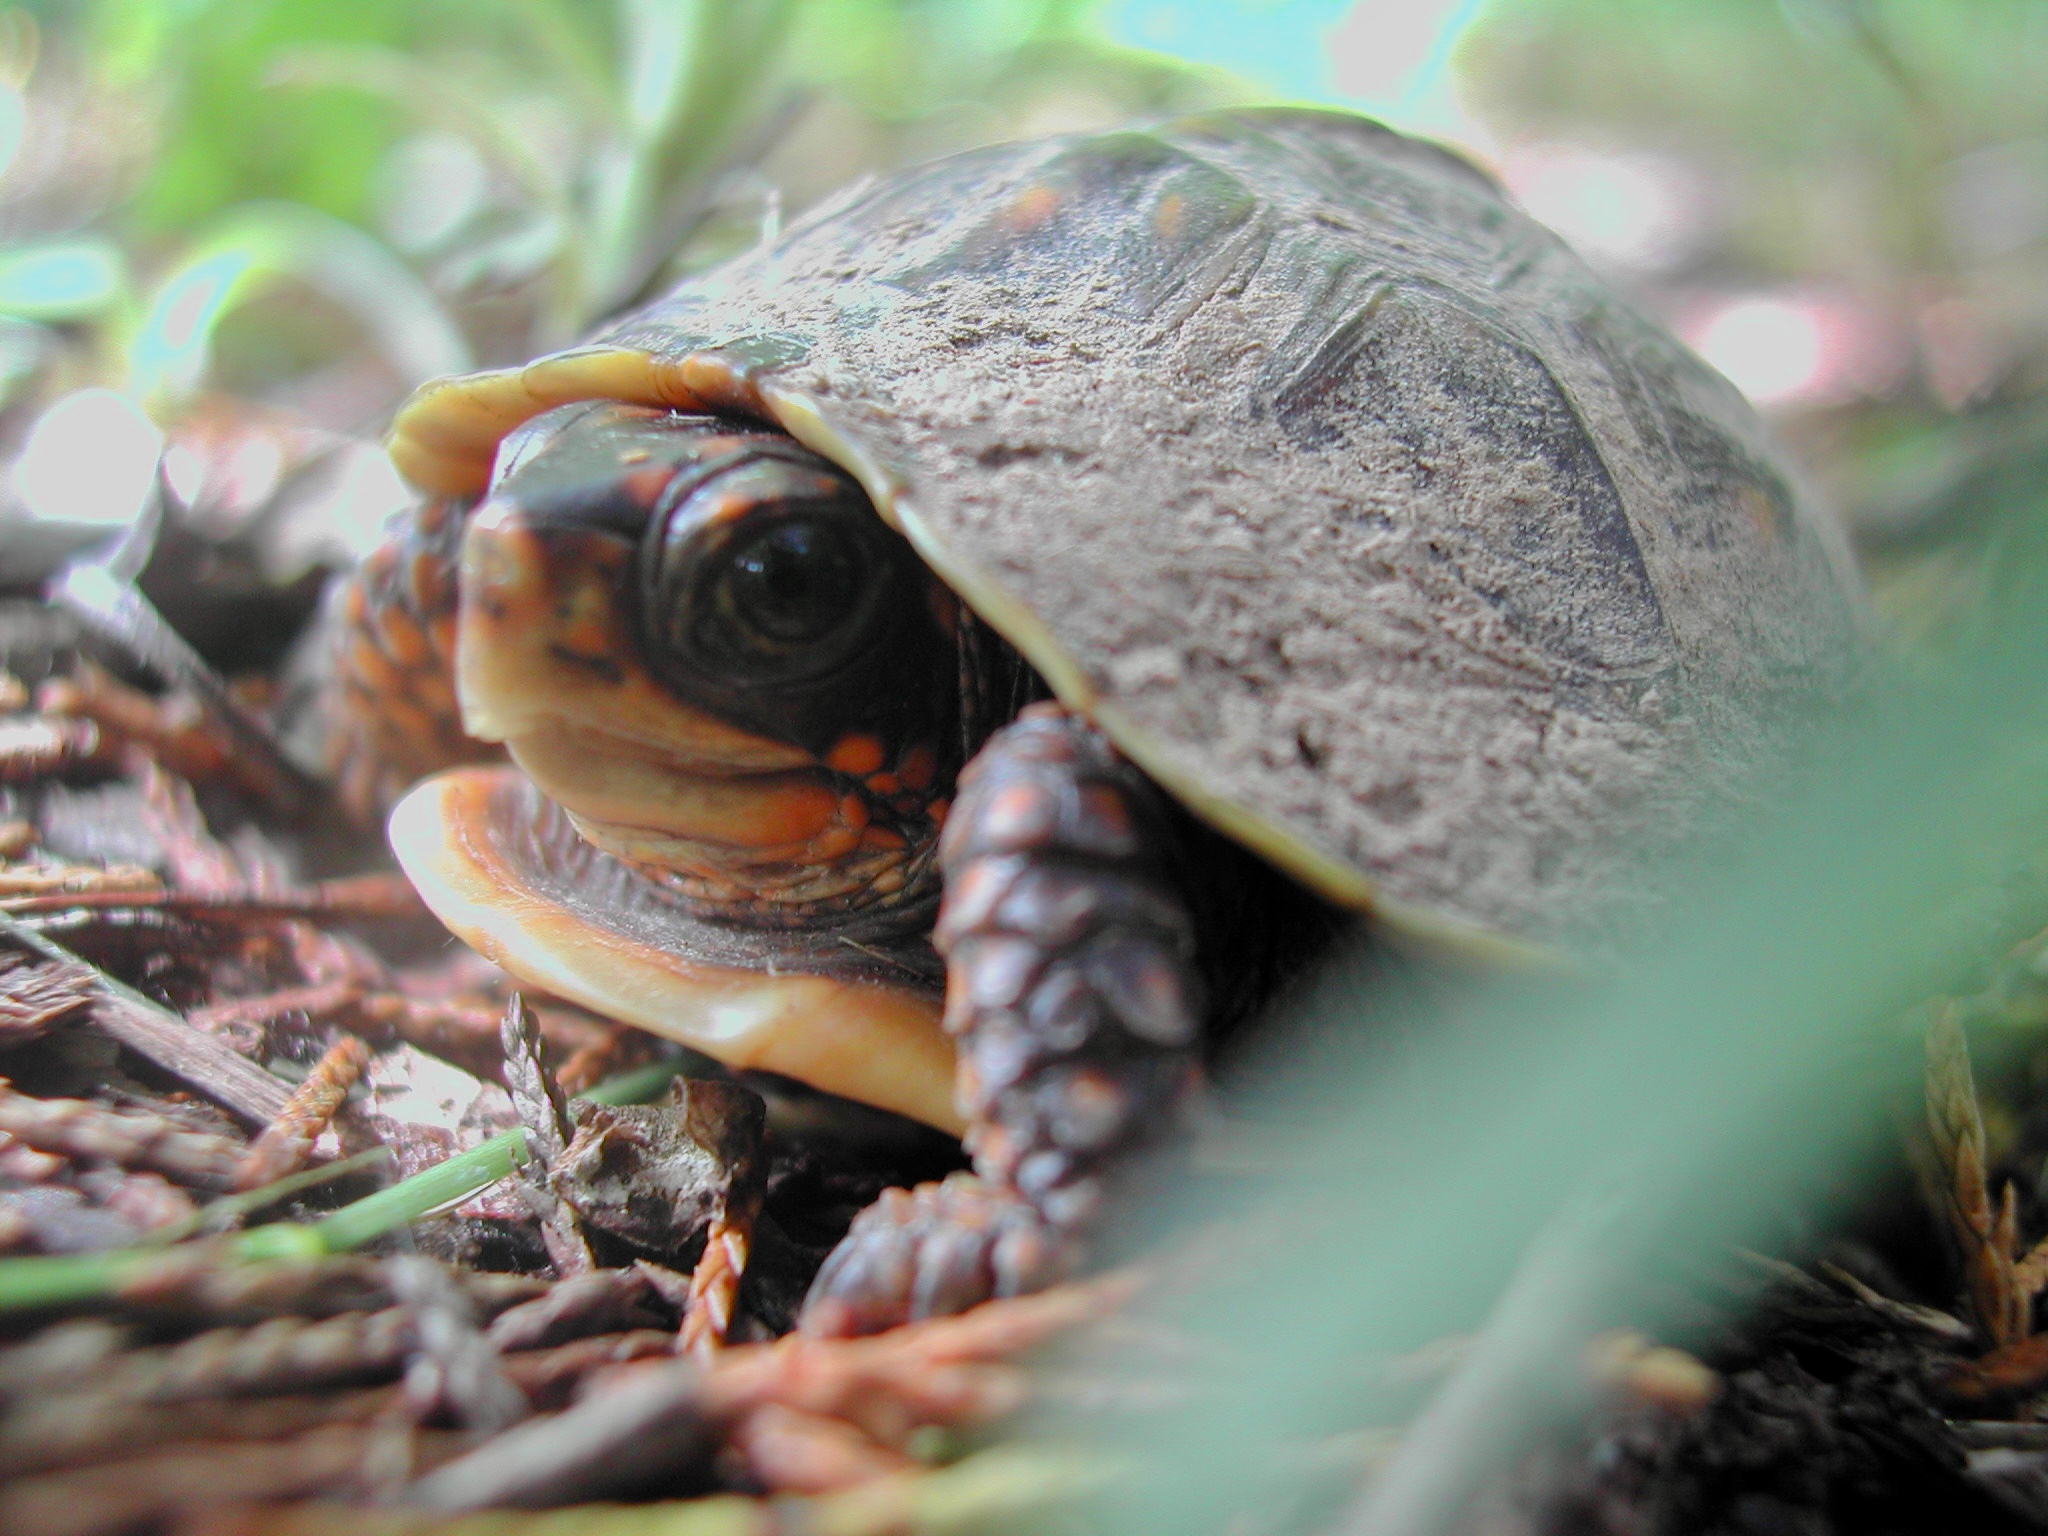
{"points": [[882, 783], [402, 639], [503, 567], [791, 815], [855, 755], [918, 767], [832, 847], [1019, 813], [878, 839], [1030, 209], [370, 664], [854, 812], [937, 811], [586, 619]]}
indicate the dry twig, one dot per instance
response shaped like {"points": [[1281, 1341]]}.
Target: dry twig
{"points": [[154, 1032], [130, 1138], [543, 1109], [320, 1001], [602, 1301], [173, 728], [36, 748], [949, 1372], [34, 997], [284, 1143]]}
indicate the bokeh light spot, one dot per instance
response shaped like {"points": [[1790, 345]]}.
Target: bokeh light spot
{"points": [[91, 458]]}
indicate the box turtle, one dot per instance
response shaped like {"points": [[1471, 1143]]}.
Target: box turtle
{"points": [[959, 653]]}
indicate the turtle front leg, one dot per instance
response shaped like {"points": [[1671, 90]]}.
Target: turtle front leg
{"points": [[1072, 994]]}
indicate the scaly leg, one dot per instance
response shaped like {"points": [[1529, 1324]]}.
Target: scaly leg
{"points": [[1072, 993]]}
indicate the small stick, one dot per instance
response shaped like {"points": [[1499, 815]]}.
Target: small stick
{"points": [[544, 1110], [1985, 1230], [116, 611], [34, 997], [31, 749], [151, 1030], [174, 729], [79, 882], [80, 1129], [535, 1094], [366, 896], [284, 1143]]}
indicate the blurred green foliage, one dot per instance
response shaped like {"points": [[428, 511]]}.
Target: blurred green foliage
{"points": [[1893, 153], [465, 179], [1521, 1166], [222, 137]]}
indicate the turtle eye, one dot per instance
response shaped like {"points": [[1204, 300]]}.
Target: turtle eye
{"points": [[761, 580], [782, 601], [792, 585]]}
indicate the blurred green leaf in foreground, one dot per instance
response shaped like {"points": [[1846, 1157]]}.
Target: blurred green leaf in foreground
{"points": [[1523, 1158], [315, 206]]}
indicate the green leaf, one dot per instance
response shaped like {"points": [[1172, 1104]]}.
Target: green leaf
{"points": [[172, 346]]}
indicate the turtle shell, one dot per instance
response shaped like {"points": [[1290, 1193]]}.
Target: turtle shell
{"points": [[1355, 508]]}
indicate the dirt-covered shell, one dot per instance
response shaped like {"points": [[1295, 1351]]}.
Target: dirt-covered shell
{"points": [[1351, 503]]}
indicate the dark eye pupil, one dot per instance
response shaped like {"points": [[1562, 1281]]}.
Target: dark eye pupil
{"points": [[797, 582]]}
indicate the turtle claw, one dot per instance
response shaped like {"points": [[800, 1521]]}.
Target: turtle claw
{"points": [[933, 1251]]}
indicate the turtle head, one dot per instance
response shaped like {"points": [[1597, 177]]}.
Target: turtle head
{"points": [[699, 640]]}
